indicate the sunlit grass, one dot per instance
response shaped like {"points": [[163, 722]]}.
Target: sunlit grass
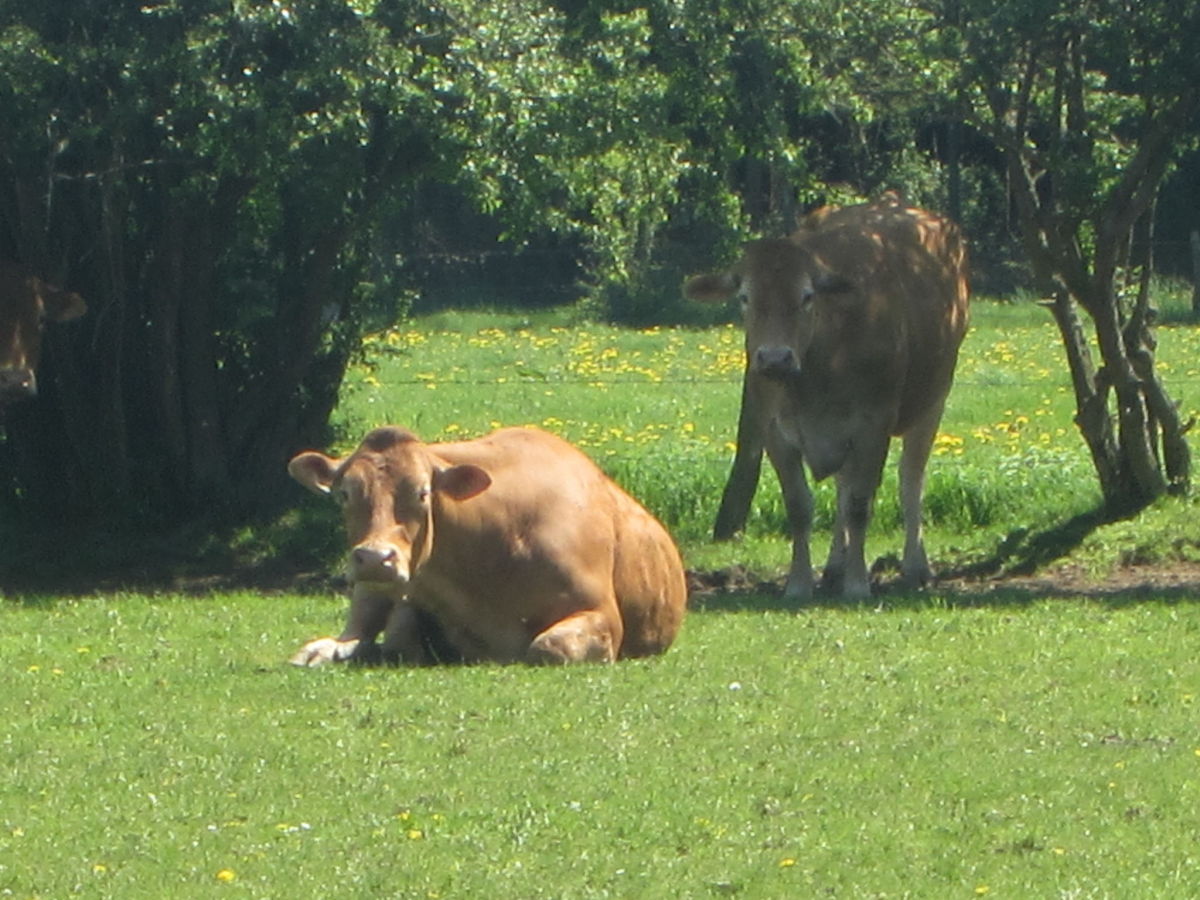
{"points": [[926, 745], [158, 746], [657, 409]]}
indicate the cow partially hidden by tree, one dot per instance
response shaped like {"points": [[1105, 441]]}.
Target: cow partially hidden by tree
{"points": [[26, 303], [853, 326], [512, 547]]}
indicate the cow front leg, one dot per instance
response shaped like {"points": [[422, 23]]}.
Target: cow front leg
{"points": [[370, 608], [798, 501], [588, 636]]}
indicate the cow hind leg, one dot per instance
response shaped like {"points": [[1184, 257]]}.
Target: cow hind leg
{"points": [[834, 574], [583, 637], [857, 483], [747, 462], [918, 443]]}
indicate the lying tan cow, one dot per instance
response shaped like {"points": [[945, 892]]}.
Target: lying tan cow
{"points": [[26, 302], [516, 545], [853, 326]]}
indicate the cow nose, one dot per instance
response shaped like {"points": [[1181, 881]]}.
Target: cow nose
{"points": [[377, 562], [17, 384], [775, 360]]}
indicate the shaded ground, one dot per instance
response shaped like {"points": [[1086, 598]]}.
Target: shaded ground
{"points": [[1176, 581], [1025, 565]]}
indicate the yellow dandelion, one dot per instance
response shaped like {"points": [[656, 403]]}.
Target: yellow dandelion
{"points": [[226, 875], [415, 834], [99, 868], [786, 863], [982, 889]]}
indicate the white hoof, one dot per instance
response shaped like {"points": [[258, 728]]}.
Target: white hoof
{"points": [[324, 650]]}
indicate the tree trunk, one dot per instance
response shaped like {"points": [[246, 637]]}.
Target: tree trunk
{"points": [[1140, 471], [1195, 242], [1091, 397]]}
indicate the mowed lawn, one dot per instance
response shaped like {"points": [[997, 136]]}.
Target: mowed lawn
{"points": [[940, 744], [159, 747]]}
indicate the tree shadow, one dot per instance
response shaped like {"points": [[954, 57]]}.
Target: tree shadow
{"points": [[1017, 573]]}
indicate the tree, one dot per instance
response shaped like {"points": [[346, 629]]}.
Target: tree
{"points": [[211, 177], [1090, 104]]}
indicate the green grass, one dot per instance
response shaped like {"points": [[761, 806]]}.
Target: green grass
{"points": [[657, 409], [156, 745], [923, 745]]}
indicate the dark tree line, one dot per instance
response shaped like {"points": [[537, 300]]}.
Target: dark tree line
{"points": [[238, 189]]}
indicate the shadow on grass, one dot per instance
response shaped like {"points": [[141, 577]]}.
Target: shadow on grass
{"points": [[294, 556], [301, 556], [1018, 572]]}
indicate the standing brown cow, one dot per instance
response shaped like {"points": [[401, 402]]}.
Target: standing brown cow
{"points": [[853, 326], [515, 544], [26, 302]]}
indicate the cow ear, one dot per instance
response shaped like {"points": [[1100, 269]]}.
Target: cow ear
{"points": [[60, 305], [832, 283], [461, 482], [313, 470], [713, 288]]}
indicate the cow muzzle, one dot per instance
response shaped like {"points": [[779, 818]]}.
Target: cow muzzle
{"points": [[17, 384], [776, 362], [378, 562]]}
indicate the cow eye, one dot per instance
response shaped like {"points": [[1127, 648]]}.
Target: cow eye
{"points": [[807, 294], [423, 494]]}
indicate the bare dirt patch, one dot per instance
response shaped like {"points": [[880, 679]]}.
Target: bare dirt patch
{"points": [[1177, 580]]}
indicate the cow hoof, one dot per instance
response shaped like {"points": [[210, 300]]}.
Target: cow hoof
{"points": [[324, 650], [798, 591], [856, 591]]}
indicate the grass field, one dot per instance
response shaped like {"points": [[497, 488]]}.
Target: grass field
{"points": [[940, 744], [157, 747]]}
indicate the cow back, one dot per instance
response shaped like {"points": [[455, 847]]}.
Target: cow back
{"points": [[910, 267], [550, 529]]}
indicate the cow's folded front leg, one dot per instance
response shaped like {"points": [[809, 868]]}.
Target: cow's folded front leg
{"points": [[588, 636], [369, 611], [325, 650]]}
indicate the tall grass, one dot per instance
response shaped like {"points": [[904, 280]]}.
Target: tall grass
{"points": [[657, 409]]}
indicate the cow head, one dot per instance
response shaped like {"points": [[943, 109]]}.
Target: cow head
{"points": [[785, 293], [26, 303], [388, 489]]}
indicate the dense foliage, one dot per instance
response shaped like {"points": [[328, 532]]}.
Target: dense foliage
{"points": [[239, 188]]}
